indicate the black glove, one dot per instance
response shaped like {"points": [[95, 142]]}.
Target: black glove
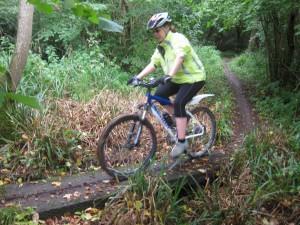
{"points": [[165, 79], [133, 81]]}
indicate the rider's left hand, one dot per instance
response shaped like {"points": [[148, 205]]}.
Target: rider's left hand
{"points": [[133, 81]]}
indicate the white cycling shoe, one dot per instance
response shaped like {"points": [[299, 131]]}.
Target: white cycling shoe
{"points": [[179, 148]]}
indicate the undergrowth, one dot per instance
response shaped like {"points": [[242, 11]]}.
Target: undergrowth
{"points": [[79, 76], [17, 216], [216, 83], [58, 140], [80, 93], [278, 105]]}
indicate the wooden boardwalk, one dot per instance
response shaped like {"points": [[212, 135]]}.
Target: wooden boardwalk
{"points": [[69, 194]]}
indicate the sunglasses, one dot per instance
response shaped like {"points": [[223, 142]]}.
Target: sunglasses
{"points": [[156, 30]]}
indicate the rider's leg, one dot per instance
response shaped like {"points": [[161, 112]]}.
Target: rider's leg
{"points": [[181, 123], [165, 91], [184, 95]]}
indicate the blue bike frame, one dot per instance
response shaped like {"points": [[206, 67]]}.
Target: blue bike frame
{"points": [[150, 106], [157, 114]]}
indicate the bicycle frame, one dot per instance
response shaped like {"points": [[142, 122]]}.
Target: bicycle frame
{"points": [[150, 106]]}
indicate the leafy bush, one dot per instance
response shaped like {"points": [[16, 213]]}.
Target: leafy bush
{"points": [[80, 76], [250, 66], [8, 18]]}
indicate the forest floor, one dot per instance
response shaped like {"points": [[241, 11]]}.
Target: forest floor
{"points": [[84, 190]]}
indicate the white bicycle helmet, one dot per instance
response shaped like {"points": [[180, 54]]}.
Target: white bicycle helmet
{"points": [[158, 20]]}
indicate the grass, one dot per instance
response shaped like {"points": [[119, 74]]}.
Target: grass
{"points": [[15, 215], [280, 106], [148, 200], [272, 151], [217, 84], [79, 76]]}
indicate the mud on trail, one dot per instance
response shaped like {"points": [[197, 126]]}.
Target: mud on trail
{"points": [[244, 118], [78, 192]]}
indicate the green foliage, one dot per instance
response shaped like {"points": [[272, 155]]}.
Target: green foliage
{"points": [[80, 76], [272, 152], [8, 18], [212, 207], [92, 12], [217, 84], [276, 170], [250, 66], [279, 105], [229, 13], [15, 215], [26, 100], [57, 31]]}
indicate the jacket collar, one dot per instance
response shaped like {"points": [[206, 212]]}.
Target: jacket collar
{"points": [[167, 39]]}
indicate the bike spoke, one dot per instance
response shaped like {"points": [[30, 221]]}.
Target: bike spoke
{"points": [[128, 146]]}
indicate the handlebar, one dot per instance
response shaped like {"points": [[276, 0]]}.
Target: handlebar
{"points": [[152, 83]]}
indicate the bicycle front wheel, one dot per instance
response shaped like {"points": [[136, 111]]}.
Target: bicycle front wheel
{"points": [[126, 145], [201, 131]]}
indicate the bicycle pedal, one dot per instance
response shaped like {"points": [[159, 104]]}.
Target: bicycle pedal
{"points": [[178, 161], [198, 155]]}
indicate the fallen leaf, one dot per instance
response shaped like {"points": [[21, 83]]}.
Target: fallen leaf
{"points": [[25, 137], [56, 183], [77, 194], [67, 196], [4, 171], [202, 170], [92, 211]]}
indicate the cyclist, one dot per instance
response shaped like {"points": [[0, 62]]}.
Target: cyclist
{"points": [[185, 74]]}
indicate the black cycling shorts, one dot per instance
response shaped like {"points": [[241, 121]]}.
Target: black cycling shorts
{"points": [[184, 93]]}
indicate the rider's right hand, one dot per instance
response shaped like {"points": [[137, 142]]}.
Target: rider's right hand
{"points": [[133, 81]]}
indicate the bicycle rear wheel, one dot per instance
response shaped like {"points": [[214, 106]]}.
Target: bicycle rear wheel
{"points": [[126, 145], [201, 132]]}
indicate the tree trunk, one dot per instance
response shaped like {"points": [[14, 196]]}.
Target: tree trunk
{"points": [[24, 33], [127, 25], [253, 44], [279, 31]]}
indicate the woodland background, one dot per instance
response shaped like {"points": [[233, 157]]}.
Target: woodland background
{"points": [[63, 72]]}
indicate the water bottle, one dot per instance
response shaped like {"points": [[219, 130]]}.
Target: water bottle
{"points": [[168, 119]]}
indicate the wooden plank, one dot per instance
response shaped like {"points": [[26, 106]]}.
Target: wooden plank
{"points": [[93, 189]]}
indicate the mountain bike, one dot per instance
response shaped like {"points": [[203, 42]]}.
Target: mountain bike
{"points": [[129, 142]]}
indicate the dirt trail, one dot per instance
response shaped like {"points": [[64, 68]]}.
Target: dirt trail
{"points": [[244, 118]]}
